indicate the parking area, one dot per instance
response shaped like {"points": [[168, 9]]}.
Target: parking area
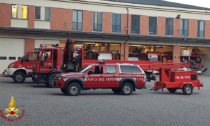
{"points": [[47, 106]]}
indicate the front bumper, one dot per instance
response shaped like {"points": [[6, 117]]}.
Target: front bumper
{"points": [[6, 73], [59, 83]]}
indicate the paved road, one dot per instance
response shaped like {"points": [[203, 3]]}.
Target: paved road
{"points": [[44, 106]]}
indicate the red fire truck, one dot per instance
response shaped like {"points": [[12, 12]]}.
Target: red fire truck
{"points": [[21, 69], [51, 61]]}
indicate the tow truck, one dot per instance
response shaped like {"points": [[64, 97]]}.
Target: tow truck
{"points": [[173, 78]]}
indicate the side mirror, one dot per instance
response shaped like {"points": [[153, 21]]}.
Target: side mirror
{"points": [[90, 72]]}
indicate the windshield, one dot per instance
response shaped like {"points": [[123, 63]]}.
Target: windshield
{"points": [[104, 56], [85, 69]]}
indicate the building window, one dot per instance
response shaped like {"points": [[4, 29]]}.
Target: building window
{"points": [[77, 20], [169, 26], [135, 24], [201, 28], [24, 12], [97, 21], [47, 13], [37, 13], [116, 23], [152, 25], [14, 11], [184, 27]]}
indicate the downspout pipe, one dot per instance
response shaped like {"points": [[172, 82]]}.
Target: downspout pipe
{"points": [[127, 31]]}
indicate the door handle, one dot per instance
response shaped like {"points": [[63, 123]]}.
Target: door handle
{"points": [[101, 76]]}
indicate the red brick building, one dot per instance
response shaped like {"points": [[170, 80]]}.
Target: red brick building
{"points": [[120, 26]]}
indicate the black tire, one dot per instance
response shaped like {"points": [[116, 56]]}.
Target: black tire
{"points": [[64, 90], [19, 77], [172, 90], [116, 90], [73, 89], [187, 89], [50, 80], [127, 89]]}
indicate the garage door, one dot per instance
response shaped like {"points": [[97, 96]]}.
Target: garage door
{"points": [[38, 42], [10, 51]]}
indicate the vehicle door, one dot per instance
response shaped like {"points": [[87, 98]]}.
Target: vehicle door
{"points": [[27, 61], [46, 61], [94, 77], [111, 76]]}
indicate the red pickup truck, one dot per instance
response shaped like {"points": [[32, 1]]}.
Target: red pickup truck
{"points": [[121, 78]]}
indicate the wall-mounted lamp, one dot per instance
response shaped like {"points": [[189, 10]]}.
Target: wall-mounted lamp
{"points": [[178, 16]]}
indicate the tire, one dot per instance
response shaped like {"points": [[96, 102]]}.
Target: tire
{"points": [[126, 89], [63, 90], [187, 89], [116, 90], [172, 90], [50, 80], [73, 89], [19, 77]]}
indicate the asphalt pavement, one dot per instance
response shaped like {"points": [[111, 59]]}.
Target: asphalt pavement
{"points": [[49, 107]]}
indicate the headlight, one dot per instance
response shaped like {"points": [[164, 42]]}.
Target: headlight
{"points": [[62, 77], [11, 65]]}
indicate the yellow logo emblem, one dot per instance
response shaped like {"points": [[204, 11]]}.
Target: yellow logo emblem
{"points": [[12, 111]]}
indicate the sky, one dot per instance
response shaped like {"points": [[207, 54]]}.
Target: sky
{"points": [[201, 3]]}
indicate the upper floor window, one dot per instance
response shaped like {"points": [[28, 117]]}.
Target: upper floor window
{"points": [[38, 13], [21, 9], [77, 20], [135, 24], [152, 25], [184, 27], [42, 13], [116, 23], [169, 26], [47, 13], [201, 28], [14, 11], [97, 21]]}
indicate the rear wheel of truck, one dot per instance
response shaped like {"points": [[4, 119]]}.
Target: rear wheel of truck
{"points": [[187, 89], [116, 90], [19, 77], [172, 90], [127, 89], [50, 80], [73, 89]]}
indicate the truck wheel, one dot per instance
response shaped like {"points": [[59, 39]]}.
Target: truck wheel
{"points": [[187, 89], [172, 90], [50, 80], [19, 77], [116, 90], [127, 89], [64, 90], [73, 89]]}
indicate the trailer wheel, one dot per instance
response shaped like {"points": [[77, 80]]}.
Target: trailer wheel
{"points": [[187, 89], [127, 89], [50, 80], [116, 90], [64, 90], [172, 90], [19, 77], [73, 89]]}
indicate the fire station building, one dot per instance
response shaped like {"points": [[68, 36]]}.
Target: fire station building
{"points": [[122, 27]]}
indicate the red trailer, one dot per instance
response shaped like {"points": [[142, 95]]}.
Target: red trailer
{"points": [[172, 78]]}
